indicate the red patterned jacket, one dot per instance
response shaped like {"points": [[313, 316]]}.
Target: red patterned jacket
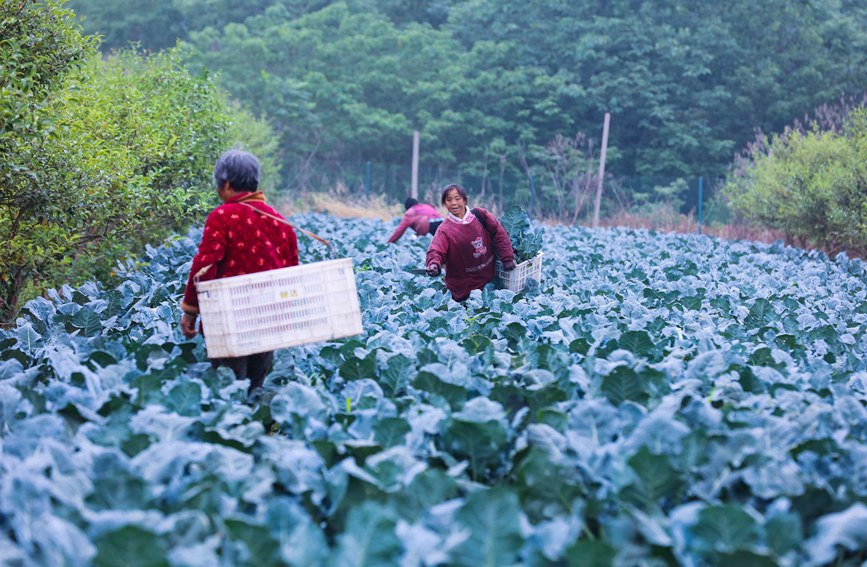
{"points": [[238, 240], [467, 251]]}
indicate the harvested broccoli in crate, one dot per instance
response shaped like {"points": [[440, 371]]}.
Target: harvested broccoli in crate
{"points": [[526, 241]]}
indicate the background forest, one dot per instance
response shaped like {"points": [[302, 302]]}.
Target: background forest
{"points": [[512, 88], [105, 102]]}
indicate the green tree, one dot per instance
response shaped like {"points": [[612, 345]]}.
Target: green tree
{"points": [[120, 158], [334, 83], [151, 24], [39, 45], [154, 25], [686, 82], [348, 85]]}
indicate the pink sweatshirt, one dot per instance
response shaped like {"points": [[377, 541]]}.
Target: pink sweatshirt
{"points": [[418, 218], [467, 252]]}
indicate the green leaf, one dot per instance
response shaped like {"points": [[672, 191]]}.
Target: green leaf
{"points": [[186, 399], [149, 389], [354, 368], [637, 342], [591, 554], [305, 546], [479, 345], [261, 546], [579, 346], [478, 433], [427, 489], [624, 384], [784, 532], [725, 528], [760, 314], [658, 483], [431, 383], [692, 303], [545, 485], [369, 539], [396, 374], [115, 486], [391, 431], [492, 518], [102, 358], [131, 546]]}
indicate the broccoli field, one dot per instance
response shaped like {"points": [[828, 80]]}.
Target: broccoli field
{"points": [[656, 400]]}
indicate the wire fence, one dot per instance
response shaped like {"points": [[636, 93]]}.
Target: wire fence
{"points": [[643, 200]]}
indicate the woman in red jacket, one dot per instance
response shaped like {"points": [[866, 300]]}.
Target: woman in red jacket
{"points": [[466, 245], [239, 239]]}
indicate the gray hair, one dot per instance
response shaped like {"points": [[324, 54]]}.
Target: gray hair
{"points": [[239, 168]]}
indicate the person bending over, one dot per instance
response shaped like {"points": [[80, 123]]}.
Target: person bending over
{"points": [[421, 217]]}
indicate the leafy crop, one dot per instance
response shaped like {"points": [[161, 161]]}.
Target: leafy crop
{"points": [[657, 400], [526, 241]]}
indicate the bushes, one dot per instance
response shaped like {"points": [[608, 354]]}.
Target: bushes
{"points": [[100, 156], [810, 184], [39, 46]]}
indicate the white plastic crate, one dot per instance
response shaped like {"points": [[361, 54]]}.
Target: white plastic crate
{"points": [[517, 278], [275, 309]]}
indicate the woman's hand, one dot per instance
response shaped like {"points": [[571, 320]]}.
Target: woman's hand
{"points": [[509, 265], [433, 270], [188, 325]]}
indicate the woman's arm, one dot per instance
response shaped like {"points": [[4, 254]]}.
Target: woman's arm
{"points": [[437, 250], [405, 223], [212, 249]]}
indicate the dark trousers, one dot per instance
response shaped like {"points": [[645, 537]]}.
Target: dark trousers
{"points": [[433, 225], [253, 367]]}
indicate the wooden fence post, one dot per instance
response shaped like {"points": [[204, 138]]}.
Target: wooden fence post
{"points": [[414, 190], [601, 170]]}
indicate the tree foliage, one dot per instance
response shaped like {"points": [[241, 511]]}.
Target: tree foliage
{"points": [[686, 82], [39, 46], [98, 156]]}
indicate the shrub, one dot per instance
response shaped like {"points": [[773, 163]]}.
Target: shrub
{"points": [[121, 156], [811, 184], [39, 46]]}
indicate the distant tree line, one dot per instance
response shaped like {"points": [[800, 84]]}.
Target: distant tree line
{"points": [[507, 89], [491, 84]]}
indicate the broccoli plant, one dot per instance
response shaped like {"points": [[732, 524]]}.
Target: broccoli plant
{"points": [[526, 241]]}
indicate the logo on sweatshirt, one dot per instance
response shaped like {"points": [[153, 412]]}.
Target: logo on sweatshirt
{"points": [[480, 247]]}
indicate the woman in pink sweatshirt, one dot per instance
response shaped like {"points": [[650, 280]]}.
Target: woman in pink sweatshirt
{"points": [[420, 217], [465, 244]]}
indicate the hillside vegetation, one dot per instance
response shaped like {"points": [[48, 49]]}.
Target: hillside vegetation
{"points": [[809, 181]]}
